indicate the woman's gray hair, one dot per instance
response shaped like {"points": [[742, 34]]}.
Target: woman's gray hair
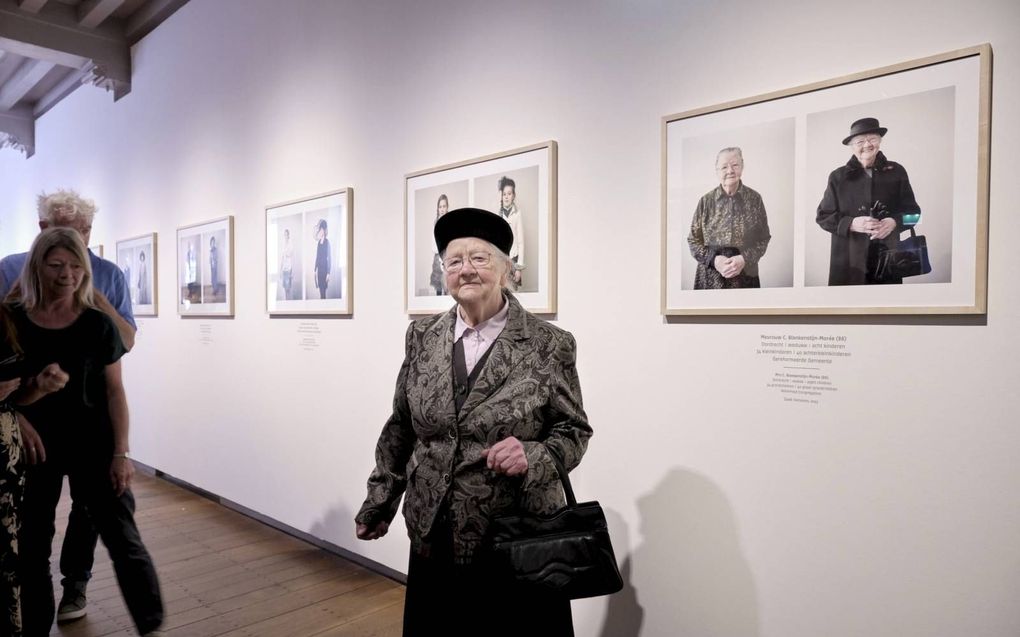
{"points": [[46, 242], [500, 256], [65, 205], [730, 149]]}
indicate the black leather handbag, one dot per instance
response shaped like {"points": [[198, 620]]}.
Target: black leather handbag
{"points": [[566, 553], [908, 258]]}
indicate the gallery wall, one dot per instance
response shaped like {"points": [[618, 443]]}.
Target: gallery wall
{"points": [[885, 507]]}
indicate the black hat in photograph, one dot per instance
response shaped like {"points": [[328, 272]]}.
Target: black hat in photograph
{"points": [[864, 126], [473, 222]]}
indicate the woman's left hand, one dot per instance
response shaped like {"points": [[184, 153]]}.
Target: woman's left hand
{"points": [[121, 472], [883, 228], [507, 457]]}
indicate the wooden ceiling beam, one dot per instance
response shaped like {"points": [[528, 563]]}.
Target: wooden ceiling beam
{"points": [[92, 13], [55, 36], [148, 17], [32, 6], [30, 73], [63, 88], [17, 130]]}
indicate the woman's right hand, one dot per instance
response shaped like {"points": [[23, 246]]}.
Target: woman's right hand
{"points": [[51, 379], [7, 387], [34, 449], [365, 533], [863, 225]]}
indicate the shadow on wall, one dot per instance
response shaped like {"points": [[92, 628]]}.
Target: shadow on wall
{"points": [[688, 577], [623, 613], [336, 525]]}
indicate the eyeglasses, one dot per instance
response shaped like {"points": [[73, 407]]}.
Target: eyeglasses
{"points": [[478, 261], [870, 139]]}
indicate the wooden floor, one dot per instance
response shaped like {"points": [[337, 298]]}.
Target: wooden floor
{"points": [[225, 574]]}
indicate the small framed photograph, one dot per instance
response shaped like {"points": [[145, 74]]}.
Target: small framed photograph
{"points": [[205, 268], [97, 250], [136, 257], [864, 194], [520, 186], [309, 255]]}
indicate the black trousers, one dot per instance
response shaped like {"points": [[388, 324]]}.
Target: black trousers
{"points": [[77, 554], [454, 600], [113, 517], [320, 282]]}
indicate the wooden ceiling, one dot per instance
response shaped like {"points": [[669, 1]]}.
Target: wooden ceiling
{"points": [[48, 48]]}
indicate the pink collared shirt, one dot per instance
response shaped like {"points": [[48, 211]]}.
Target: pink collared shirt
{"points": [[478, 339]]}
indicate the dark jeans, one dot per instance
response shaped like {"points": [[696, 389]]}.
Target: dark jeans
{"points": [[79, 549], [113, 517]]}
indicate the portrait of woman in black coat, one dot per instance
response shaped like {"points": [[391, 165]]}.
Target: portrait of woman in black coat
{"points": [[867, 204]]}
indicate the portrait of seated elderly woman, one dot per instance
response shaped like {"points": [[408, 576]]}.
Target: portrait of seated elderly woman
{"points": [[867, 204], [729, 231], [485, 393], [76, 412]]}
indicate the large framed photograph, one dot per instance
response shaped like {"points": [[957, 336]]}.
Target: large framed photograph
{"points": [[865, 194], [309, 250], [519, 185], [136, 257], [205, 268]]}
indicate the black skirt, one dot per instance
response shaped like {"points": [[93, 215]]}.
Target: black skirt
{"points": [[458, 600]]}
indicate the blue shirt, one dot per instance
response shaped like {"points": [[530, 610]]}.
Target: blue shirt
{"points": [[106, 277]]}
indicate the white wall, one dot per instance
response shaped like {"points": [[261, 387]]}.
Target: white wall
{"points": [[889, 509]]}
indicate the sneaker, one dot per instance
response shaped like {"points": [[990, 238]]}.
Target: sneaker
{"points": [[72, 604]]}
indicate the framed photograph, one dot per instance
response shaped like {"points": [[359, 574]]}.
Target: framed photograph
{"points": [[136, 257], [205, 268], [97, 250], [518, 184], [865, 194], [309, 245]]}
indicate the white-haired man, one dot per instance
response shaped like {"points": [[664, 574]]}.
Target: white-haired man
{"points": [[67, 209]]}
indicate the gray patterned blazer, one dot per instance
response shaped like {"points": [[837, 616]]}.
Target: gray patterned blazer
{"points": [[528, 388]]}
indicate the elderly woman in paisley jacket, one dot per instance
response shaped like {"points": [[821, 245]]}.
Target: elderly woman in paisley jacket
{"points": [[729, 231], [867, 203], [486, 392]]}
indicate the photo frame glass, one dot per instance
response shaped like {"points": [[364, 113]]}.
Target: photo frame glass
{"points": [[136, 258], [205, 268], [790, 219], [309, 255], [520, 185]]}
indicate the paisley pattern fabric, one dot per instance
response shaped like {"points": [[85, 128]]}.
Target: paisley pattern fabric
{"points": [[727, 226], [528, 388], [12, 487]]}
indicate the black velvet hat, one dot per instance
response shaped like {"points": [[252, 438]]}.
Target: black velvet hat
{"points": [[473, 222], [863, 126]]}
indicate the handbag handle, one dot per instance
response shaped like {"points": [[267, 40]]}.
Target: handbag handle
{"points": [[564, 480]]}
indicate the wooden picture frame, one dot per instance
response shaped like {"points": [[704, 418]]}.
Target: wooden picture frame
{"points": [[205, 268], [937, 113], [295, 251], [137, 259], [528, 175]]}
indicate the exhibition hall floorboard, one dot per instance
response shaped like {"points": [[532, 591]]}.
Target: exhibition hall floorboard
{"points": [[225, 574]]}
